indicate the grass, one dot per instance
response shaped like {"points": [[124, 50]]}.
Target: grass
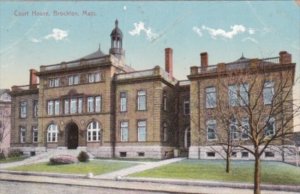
{"points": [[96, 167], [241, 171], [12, 159], [133, 159]]}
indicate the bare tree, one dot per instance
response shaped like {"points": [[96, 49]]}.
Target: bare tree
{"points": [[255, 112], [4, 129]]}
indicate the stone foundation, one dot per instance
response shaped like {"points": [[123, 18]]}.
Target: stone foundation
{"points": [[157, 152], [216, 152], [101, 152], [29, 151]]}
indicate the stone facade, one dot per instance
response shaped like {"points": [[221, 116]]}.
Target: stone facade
{"points": [[5, 123], [251, 72]]}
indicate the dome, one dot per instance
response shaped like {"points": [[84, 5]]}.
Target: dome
{"points": [[116, 32]]}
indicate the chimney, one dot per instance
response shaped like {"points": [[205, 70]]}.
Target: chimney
{"points": [[204, 59], [32, 78], [285, 57], [169, 61]]}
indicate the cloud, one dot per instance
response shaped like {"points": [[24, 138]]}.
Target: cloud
{"points": [[35, 40], [250, 39], [235, 29], [139, 28], [251, 31], [57, 34], [197, 31]]}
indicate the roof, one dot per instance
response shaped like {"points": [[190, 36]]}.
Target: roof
{"points": [[96, 54], [2, 91], [116, 32]]}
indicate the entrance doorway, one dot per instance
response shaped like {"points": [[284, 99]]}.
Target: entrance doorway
{"points": [[187, 137], [72, 136]]}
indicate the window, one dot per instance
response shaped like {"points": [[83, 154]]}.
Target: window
{"points": [[245, 154], [269, 155], [211, 129], [35, 108], [245, 128], [73, 80], [93, 132], [165, 132], [123, 102], [50, 107], [123, 154], [124, 131], [234, 154], [94, 77], [66, 106], [73, 108], [211, 99], [233, 95], [270, 127], [268, 92], [142, 128], [23, 109], [234, 134], [90, 104], [164, 101], [141, 154], [52, 132], [34, 135], [186, 107], [53, 82], [98, 103], [22, 135], [244, 92], [56, 107], [141, 101], [210, 154], [79, 105]]}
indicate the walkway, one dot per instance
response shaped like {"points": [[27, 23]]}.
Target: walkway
{"points": [[139, 168]]}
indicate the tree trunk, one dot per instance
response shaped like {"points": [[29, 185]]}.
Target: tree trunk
{"points": [[257, 175], [227, 160]]}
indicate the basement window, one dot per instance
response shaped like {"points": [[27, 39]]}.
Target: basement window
{"points": [[269, 155], [245, 154], [141, 154], [210, 154], [234, 154], [123, 154]]}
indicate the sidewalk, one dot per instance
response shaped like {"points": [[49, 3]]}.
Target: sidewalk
{"points": [[133, 185], [139, 168]]}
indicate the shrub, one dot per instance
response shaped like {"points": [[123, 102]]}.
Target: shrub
{"points": [[14, 153], [2, 156], [83, 157], [63, 159]]}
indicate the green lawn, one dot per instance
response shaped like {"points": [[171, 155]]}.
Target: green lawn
{"points": [[96, 167], [242, 171], [12, 159]]}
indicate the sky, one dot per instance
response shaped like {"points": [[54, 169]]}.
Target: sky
{"points": [[43, 33]]}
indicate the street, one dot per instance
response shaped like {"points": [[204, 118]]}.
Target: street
{"points": [[12, 187]]}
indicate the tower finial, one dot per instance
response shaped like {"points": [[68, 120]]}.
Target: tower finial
{"points": [[99, 47], [116, 22]]}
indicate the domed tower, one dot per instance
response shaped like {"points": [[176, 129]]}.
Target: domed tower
{"points": [[116, 36]]}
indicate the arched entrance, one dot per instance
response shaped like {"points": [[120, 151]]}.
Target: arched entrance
{"points": [[72, 136]]}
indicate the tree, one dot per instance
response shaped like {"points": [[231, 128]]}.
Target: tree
{"points": [[4, 129], [255, 111]]}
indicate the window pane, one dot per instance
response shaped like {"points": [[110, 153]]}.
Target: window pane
{"points": [[79, 105], [66, 106], [268, 92], [50, 107], [97, 77], [76, 79], [73, 105], [142, 131], [90, 105], [23, 109], [124, 131], [244, 91], [186, 107], [98, 104], [56, 109], [211, 129], [71, 80], [270, 127], [141, 100], [211, 97], [123, 101], [233, 95]]}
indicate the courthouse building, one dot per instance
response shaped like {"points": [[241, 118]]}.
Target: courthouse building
{"points": [[99, 104]]}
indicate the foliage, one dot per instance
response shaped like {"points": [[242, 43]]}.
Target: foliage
{"points": [[15, 153], [62, 159], [83, 157]]}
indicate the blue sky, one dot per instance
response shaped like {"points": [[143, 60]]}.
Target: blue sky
{"points": [[224, 29]]}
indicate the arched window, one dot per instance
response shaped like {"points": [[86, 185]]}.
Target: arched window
{"points": [[52, 132], [93, 132]]}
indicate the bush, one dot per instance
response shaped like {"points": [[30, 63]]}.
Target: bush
{"points": [[63, 159], [83, 157], [2, 156], [14, 153]]}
